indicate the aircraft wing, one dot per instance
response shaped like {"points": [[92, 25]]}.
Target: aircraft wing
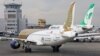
{"points": [[8, 38], [18, 39]]}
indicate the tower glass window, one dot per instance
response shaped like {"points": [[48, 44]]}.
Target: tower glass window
{"points": [[11, 11], [11, 15]]}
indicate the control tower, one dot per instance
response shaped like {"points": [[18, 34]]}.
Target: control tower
{"points": [[13, 16]]}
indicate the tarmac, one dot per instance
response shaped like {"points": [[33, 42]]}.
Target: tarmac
{"points": [[68, 49]]}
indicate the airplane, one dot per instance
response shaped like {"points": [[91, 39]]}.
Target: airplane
{"points": [[85, 24], [89, 37], [48, 37]]}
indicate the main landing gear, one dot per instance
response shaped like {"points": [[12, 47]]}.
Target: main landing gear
{"points": [[27, 48], [56, 48]]}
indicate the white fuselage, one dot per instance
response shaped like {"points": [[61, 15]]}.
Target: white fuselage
{"points": [[50, 37], [76, 28], [54, 35]]}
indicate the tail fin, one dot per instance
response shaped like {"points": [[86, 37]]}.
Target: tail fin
{"points": [[88, 16], [69, 22]]}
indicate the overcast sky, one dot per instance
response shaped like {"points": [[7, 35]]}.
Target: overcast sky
{"points": [[54, 11]]}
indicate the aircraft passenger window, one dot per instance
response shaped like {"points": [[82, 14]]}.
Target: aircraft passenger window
{"points": [[54, 27]]}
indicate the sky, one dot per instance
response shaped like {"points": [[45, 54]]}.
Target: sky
{"points": [[54, 11]]}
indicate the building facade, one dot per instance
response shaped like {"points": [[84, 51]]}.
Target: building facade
{"points": [[13, 17], [2, 25]]}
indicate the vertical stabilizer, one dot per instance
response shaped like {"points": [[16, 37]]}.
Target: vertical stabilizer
{"points": [[88, 16], [69, 22]]}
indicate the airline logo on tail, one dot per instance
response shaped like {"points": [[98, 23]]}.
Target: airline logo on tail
{"points": [[69, 22], [88, 16]]}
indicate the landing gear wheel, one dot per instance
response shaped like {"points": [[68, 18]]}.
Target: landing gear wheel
{"points": [[28, 49], [56, 48], [77, 40]]}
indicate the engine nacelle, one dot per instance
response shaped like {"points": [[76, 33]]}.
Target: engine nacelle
{"points": [[15, 44]]}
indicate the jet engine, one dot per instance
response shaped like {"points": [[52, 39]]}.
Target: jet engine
{"points": [[14, 44]]}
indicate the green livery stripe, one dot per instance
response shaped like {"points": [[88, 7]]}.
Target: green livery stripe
{"points": [[91, 5], [82, 23], [88, 16]]}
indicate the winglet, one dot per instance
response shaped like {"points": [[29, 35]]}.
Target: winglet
{"points": [[88, 16], [69, 22]]}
